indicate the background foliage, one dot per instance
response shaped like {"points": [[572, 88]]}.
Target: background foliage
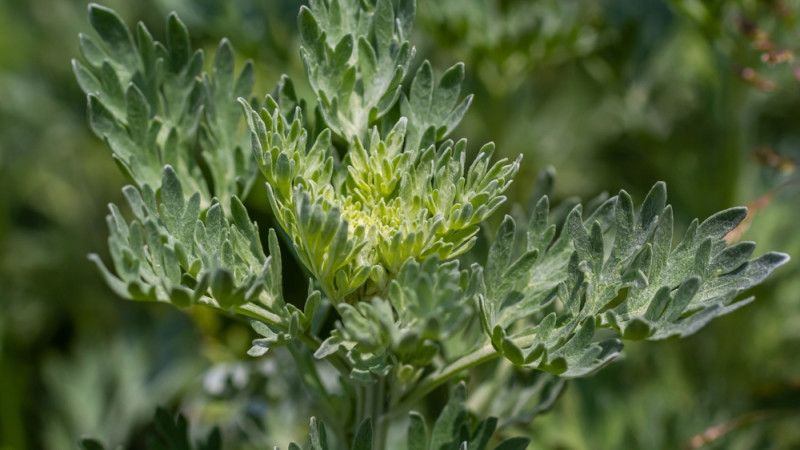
{"points": [[613, 94]]}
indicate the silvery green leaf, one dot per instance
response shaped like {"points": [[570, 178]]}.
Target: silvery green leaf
{"points": [[435, 108], [233, 170], [269, 339], [355, 55], [614, 269], [152, 105], [446, 428], [417, 433], [113, 32], [170, 253], [319, 439], [363, 437]]}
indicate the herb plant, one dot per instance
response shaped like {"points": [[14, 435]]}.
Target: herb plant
{"points": [[383, 212]]}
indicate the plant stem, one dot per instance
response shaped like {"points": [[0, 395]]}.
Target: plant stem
{"points": [[430, 382], [312, 381], [372, 404], [361, 406], [256, 312], [380, 419], [441, 375], [368, 410]]}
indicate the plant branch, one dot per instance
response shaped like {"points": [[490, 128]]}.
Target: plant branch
{"points": [[483, 354], [256, 312], [436, 378], [381, 419]]}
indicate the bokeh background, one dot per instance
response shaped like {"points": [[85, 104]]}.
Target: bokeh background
{"points": [[614, 94]]}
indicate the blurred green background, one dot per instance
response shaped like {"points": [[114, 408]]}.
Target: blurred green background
{"points": [[615, 94]]}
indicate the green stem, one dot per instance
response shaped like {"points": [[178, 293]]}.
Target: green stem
{"points": [[369, 405], [361, 407], [309, 374], [436, 378], [445, 373], [380, 418], [310, 377], [256, 312], [372, 404]]}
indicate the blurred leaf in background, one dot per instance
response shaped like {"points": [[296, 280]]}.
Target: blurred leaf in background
{"points": [[614, 94]]}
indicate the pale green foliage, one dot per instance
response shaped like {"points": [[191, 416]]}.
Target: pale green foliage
{"points": [[354, 223], [433, 111], [450, 431], [622, 273], [427, 303], [377, 204], [169, 254], [356, 54], [155, 106]]}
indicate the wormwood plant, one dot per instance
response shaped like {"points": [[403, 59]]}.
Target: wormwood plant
{"points": [[381, 210]]}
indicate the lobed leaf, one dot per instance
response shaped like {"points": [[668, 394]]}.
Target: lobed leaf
{"points": [[170, 253], [615, 269], [152, 104], [355, 55]]}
